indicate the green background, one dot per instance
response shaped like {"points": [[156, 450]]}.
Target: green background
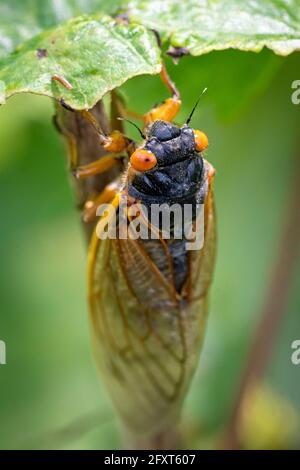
{"points": [[50, 394]]}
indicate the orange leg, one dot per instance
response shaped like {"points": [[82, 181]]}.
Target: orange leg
{"points": [[168, 82], [170, 107], [98, 166], [115, 142], [106, 196]]}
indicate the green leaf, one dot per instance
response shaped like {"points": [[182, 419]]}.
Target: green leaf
{"points": [[94, 54], [22, 19], [199, 25], [206, 25]]}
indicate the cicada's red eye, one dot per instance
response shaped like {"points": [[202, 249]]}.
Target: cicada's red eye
{"points": [[201, 140], [143, 160]]}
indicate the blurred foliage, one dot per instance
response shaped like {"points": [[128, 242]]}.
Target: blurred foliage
{"points": [[268, 421], [49, 381]]}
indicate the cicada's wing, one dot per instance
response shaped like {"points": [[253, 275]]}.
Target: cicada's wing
{"points": [[146, 337], [203, 261], [139, 341]]}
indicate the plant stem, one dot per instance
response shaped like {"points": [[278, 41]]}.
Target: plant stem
{"points": [[165, 440], [273, 310]]}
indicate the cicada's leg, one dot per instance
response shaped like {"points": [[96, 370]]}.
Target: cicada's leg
{"points": [[98, 166], [115, 143], [170, 107], [105, 197]]}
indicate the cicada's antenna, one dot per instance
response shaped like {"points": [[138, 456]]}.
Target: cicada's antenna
{"points": [[133, 124], [195, 106]]}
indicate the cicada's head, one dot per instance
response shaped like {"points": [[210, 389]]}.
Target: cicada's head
{"points": [[168, 166]]}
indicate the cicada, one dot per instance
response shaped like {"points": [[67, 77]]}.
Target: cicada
{"points": [[148, 298]]}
